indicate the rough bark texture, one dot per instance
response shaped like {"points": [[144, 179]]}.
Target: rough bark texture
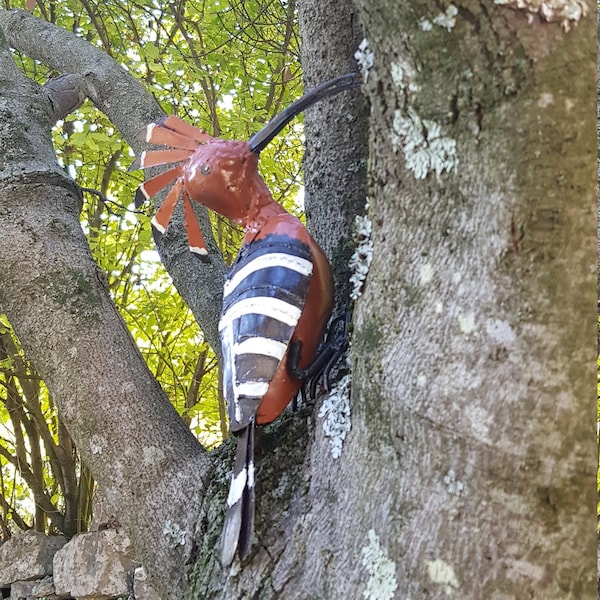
{"points": [[598, 162], [335, 161], [149, 466], [474, 386]]}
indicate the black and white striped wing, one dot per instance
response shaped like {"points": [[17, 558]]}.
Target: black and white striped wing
{"points": [[264, 295]]}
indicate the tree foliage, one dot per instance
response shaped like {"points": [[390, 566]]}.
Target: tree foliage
{"points": [[225, 66]]}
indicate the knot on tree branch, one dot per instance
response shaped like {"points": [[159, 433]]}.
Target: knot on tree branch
{"points": [[66, 93]]}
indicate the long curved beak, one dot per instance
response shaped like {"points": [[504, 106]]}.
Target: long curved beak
{"points": [[329, 88]]}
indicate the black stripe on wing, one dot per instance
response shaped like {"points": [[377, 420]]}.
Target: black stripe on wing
{"points": [[269, 244], [265, 292], [270, 328], [273, 282]]}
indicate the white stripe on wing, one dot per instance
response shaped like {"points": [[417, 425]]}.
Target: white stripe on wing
{"points": [[261, 345], [264, 261], [275, 308]]}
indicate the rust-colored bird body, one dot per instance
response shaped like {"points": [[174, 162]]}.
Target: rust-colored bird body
{"points": [[278, 292]]}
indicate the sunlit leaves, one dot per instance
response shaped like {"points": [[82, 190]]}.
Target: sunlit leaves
{"points": [[226, 66], [36, 454]]}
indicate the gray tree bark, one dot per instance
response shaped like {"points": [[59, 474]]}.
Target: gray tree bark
{"points": [[470, 468], [335, 159], [474, 389]]}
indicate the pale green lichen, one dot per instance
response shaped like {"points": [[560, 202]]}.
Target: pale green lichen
{"points": [[97, 444], [425, 148], [174, 533], [382, 583], [454, 486], [422, 142], [442, 573], [466, 322], [365, 58], [426, 273], [447, 19], [566, 12], [402, 77], [360, 261], [153, 455], [500, 331], [335, 412]]}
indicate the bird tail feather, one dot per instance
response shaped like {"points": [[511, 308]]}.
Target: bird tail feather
{"points": [[239, 518]]}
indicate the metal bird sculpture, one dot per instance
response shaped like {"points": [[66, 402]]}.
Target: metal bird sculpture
{"points": [[278, 294]]}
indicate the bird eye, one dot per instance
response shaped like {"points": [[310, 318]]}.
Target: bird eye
{"points": [[205, 169]]}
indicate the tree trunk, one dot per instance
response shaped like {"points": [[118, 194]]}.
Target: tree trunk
{"points": [[335, 162], [474, 383]]}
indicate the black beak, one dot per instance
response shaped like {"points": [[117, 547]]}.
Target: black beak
{"points": [[329, 88]]}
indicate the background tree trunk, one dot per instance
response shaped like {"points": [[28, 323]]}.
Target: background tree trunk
{"points": [[474, 386], [470, 467], [335, 161]]}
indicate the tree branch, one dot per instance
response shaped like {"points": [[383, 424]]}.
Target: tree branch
{"points": [[146, 461], [7, 64], [130, 108]]}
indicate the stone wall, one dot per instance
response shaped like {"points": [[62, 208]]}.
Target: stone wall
{"points": [[91, 566]]}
